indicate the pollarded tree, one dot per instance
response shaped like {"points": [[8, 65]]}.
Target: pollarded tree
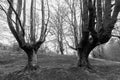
{"points": [[57, 24], [16, 18], [99, 33], [92, 12], [74, 21]]}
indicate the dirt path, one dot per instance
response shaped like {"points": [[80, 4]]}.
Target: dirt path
{"points": [[97, 61]]}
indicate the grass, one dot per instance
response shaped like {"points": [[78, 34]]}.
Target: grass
{"points": [[55, 67]]}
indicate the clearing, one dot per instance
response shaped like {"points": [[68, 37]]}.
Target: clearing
{"points": [[56, 67]]}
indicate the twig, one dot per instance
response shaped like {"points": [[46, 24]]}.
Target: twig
{"points": [[6, 14]]}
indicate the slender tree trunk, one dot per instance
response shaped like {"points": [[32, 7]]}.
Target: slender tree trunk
{"points": [[83, 59], [83, 54]]}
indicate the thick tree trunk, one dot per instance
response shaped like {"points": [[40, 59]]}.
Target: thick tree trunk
{"points": [[83, 59], [32, 60], [85, 48], [83, 55]]}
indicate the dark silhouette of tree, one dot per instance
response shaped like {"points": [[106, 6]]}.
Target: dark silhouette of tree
{"points": [[105, 24], [97, 22]]}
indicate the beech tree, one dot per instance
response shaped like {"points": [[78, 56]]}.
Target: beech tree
{"points": [[25, 35], [98, 18]]}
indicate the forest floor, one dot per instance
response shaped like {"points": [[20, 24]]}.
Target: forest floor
{"points": [[55, 67]]}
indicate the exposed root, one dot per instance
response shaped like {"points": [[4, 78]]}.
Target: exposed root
{"points": [[88, 67], [31, 68]]}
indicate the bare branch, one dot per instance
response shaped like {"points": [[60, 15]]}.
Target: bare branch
{"points": [[18, 11], [11, 26], [116, 36], [32, 21], [69, 44], [16, 16], [6, 14], [24, 14]]}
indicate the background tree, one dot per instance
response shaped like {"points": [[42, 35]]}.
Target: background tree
{"points": [[58, 25], [73, 20]]}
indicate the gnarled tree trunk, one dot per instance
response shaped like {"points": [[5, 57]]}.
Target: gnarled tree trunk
{"points": [[83, 51], [31, 52], [89, 35], [32, 59], [104, 32]]}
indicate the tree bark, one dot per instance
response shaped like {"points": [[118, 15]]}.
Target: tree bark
{"points": [[84, 50], [61, 49], [60, 42], [89, 35], [32, 59]]}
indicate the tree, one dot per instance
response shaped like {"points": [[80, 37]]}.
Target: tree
{"points": [[29, 43], [97, 22], [57, 24]]}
